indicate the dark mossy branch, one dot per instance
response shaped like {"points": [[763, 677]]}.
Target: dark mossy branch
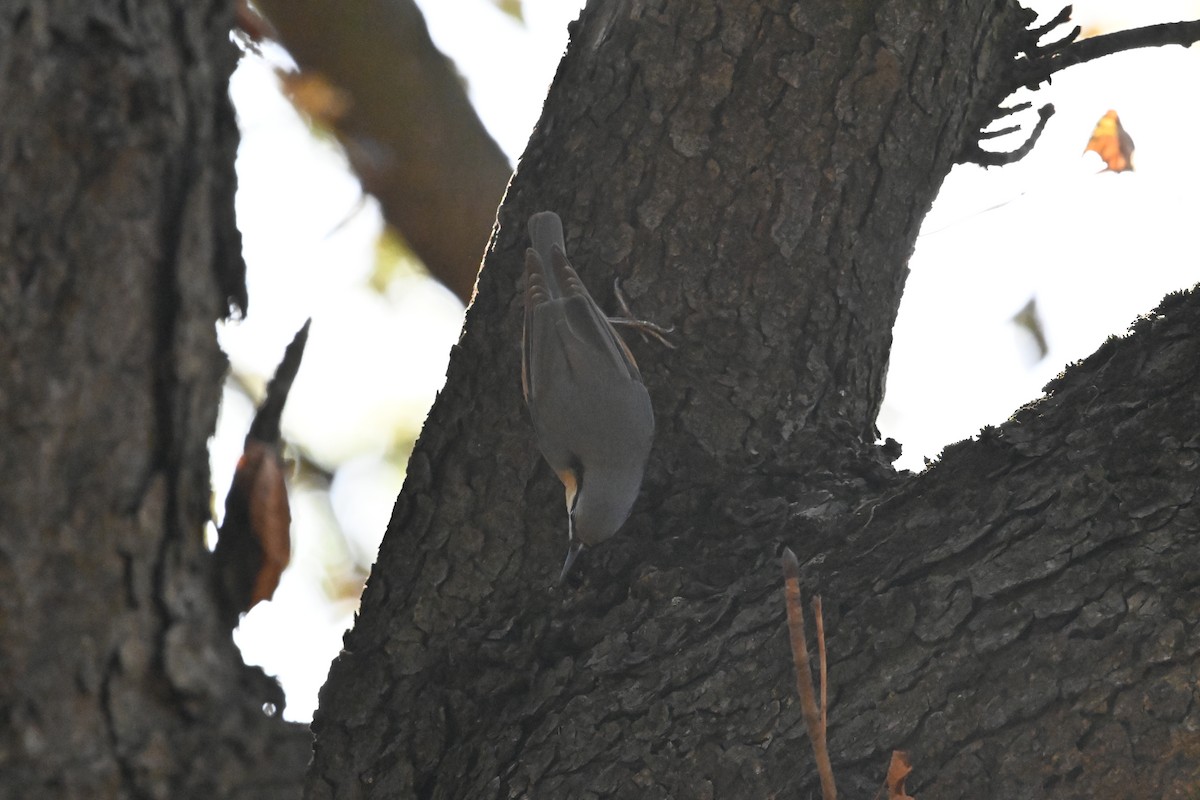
{"points": [[996, 134], [1068, 52], [1006, 111], [974, 154], [1061, 18], [1037, 33]]}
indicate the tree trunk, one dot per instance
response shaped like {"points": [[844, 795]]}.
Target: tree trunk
{"points": [[116, 150], [1020, 617]]}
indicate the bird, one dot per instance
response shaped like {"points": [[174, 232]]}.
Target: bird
{"points": [[585, 395]]}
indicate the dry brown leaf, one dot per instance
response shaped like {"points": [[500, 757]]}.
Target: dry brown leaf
{"points": [[898, 770], [255, 544], [1030, 320], [270, 517], [1112, 143]]}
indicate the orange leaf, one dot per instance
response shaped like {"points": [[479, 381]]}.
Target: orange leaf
{"points": [[313, 95], [270, 518], [1112, 143], [898, 770], [255, 542]]}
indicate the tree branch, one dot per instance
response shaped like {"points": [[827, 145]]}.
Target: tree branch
{"points": [[1037, 33], [1038, 70], [1041, 62], [1062, 17], [814, 716], [410, 131]]}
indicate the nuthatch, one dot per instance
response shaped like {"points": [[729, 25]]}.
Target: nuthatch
{"points": [[589, 407]]}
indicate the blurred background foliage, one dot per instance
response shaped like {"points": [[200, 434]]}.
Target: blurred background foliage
{"points": [[370, 169], [343, 131]]}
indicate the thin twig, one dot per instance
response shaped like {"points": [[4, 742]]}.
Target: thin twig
{"points": [[974, 154], [1035, 34], [1062, 17], [813, 717], [1005, 111], [820, 618], [998, 132]]}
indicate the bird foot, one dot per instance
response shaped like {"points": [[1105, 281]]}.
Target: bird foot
{"points": [[640, 325]]}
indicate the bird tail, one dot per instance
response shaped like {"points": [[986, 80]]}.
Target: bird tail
{"points": [[546, 232]]}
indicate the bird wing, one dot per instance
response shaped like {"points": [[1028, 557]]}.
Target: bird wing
{"points": [[572, 325], [593, 335], [536, 295]]}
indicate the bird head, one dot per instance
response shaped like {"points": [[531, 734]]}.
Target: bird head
{"points": [[598, 503]]}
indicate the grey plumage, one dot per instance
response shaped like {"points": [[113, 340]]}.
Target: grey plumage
{"points": [[585, 394]]}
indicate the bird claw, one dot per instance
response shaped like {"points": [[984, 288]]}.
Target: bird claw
{"points": [[642, 326]]}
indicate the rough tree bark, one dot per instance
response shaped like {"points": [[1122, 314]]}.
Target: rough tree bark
{"points": [[1022, 617], [120, 253]]}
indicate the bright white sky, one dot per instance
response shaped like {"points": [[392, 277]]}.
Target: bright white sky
{"points": [[1096, 250]]}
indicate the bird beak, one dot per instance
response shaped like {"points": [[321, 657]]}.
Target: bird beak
{"points": [[572, 552], [572, 485]]}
